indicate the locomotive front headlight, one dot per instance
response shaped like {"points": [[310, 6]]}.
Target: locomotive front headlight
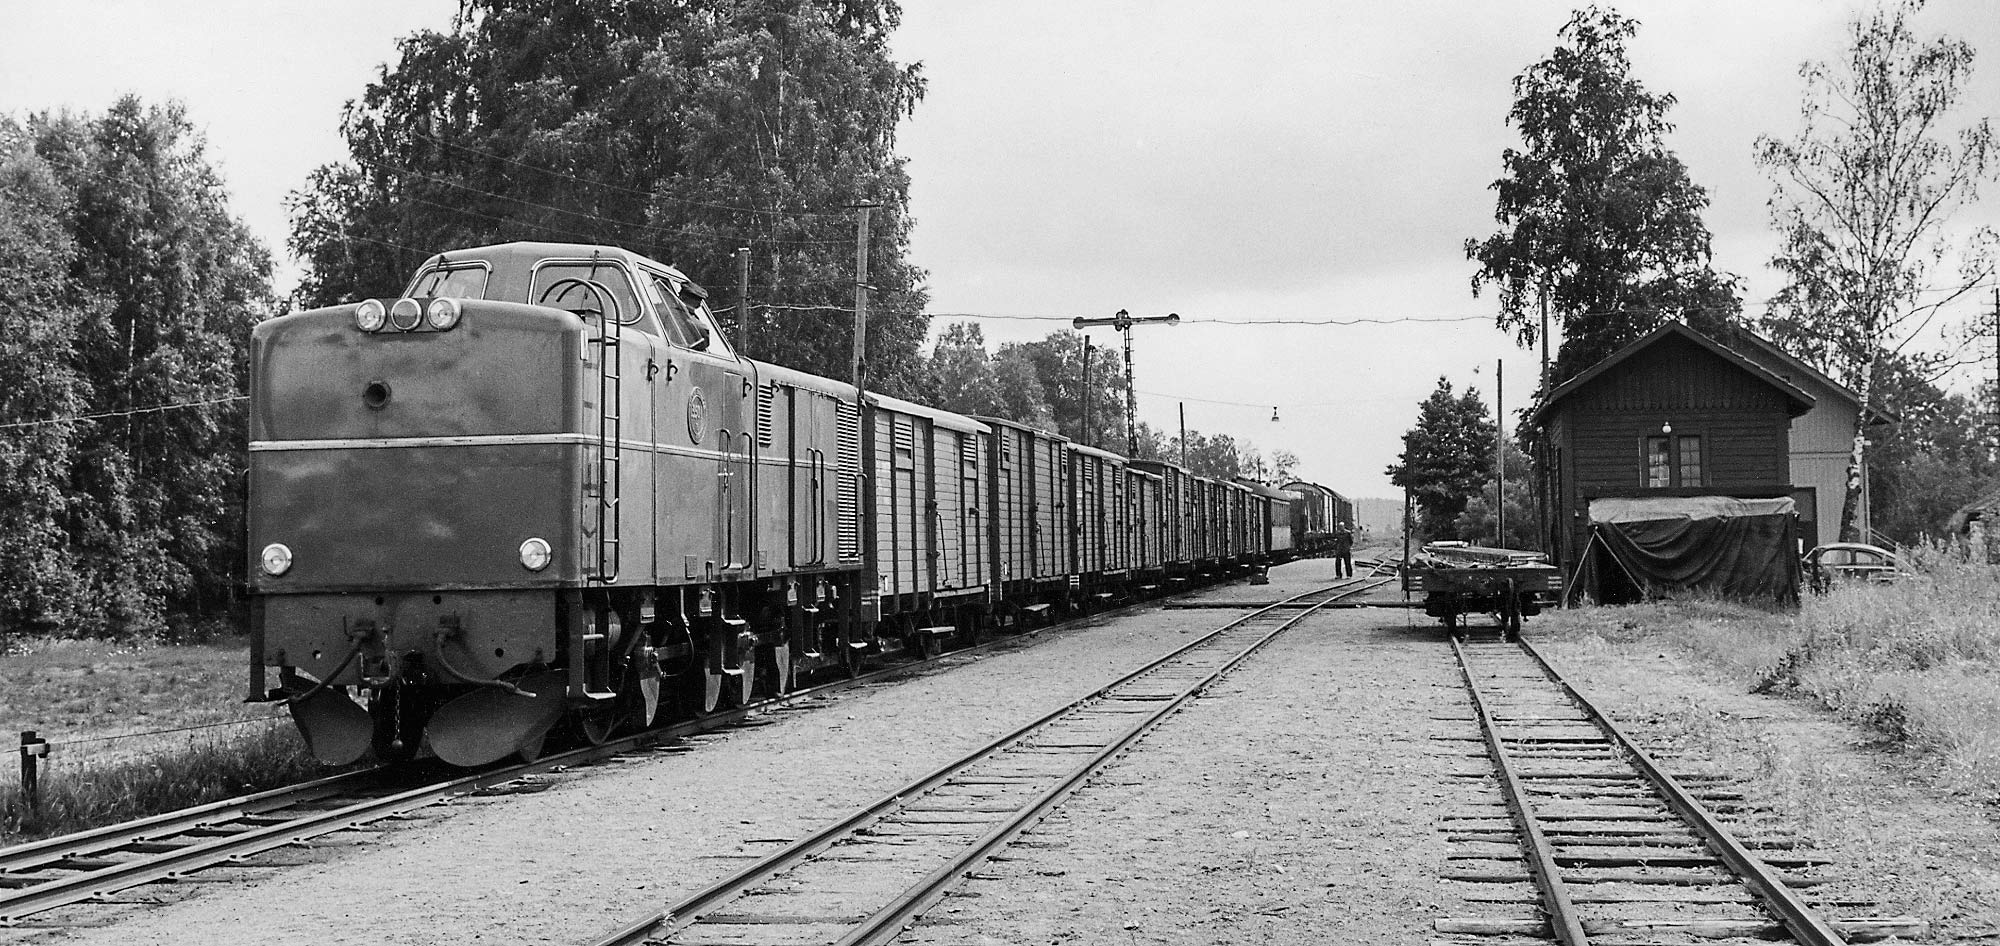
{"points": [[276, 559], [405, 314], [535, 555], [442, 314], [370, 315]]}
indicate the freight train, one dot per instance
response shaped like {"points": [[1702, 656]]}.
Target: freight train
{"points": [[539, 490]]}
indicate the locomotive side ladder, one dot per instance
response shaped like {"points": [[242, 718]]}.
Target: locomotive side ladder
{"points": [[610, 445]]}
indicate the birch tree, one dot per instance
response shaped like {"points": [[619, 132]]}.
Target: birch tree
{"points": [[1865, 193]]}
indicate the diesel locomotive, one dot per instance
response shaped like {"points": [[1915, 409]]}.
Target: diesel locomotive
{"points": [[539, 490]]}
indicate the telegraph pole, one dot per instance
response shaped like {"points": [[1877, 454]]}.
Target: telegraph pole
{"points": [[1545, 338], [1183, 433], [743, 301], [1500, 454], [860, 362], [1086, 438], [1123, 322]]}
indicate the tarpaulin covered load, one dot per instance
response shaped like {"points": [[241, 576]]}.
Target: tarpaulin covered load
{"points": [[1737, 547]]}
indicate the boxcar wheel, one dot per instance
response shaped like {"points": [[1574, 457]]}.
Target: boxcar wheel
{"points": [[783, 672]]}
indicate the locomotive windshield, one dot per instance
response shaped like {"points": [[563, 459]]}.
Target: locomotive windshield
{"points": [[453, 281], [579, 286]]}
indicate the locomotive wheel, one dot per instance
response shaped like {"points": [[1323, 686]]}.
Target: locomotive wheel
{"points": [[597, 725], [532, 749]]}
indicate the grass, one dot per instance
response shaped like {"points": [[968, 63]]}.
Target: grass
{"points": [[104, 705], [1916, 662]]}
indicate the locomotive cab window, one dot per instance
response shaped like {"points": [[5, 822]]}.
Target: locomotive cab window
{"points": [[451, 281], [683, 311], [590, 286]]}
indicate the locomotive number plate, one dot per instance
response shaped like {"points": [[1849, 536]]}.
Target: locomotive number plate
{"points": [[697, 417]]}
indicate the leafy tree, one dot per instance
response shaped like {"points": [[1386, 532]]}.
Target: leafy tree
{"points": [[123, 366], [1284, 466], [1021, 396], [965, 378], [183, 281], [1600, 221], [40, 588], [1930, 461], [682, 131], [1447, 457], [1477, 523], [1216, 455], [1865, 194], [1058, 366]]}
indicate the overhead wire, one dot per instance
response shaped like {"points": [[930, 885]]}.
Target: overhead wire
{"points": [[155, 409]]}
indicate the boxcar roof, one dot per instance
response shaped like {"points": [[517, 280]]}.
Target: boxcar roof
{"points": [[947, 418], [799, 379], [1017, 425], [1093, 451], [1266, 489]]}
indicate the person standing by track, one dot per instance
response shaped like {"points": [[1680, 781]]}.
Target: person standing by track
{"points": [[1343, 552]]}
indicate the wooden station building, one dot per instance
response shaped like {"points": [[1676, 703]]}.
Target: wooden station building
{"points": [[1675, 415]]}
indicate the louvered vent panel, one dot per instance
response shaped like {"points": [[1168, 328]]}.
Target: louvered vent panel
{"points": [[848, 539], [968, 456], [766, 396]]}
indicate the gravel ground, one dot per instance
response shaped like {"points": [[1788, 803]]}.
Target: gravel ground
{"points": [[597, 847], [1299, 800], [1294, 803]]}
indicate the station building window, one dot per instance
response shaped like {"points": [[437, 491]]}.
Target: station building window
{"points": [[1673, 461]]}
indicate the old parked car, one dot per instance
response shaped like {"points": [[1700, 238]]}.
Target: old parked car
{"points": [[1849, 561]]}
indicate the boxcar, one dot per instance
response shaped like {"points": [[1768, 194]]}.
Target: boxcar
{"points": [[1028, 490], [1100, 539], [929, 529], [1176, 517], [1276, 506]]}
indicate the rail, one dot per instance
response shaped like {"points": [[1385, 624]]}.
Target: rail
{"points": [[1599, 767], [1014, 794], [43, 875]]}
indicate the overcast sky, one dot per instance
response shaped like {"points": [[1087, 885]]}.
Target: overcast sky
{"points": [[1308, 159]]}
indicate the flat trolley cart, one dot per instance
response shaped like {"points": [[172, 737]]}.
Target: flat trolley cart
{"points": [[1458, 579]]}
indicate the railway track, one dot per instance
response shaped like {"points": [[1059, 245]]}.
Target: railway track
{"points": [[1617, 847], [100, 866], [866, 877]]}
